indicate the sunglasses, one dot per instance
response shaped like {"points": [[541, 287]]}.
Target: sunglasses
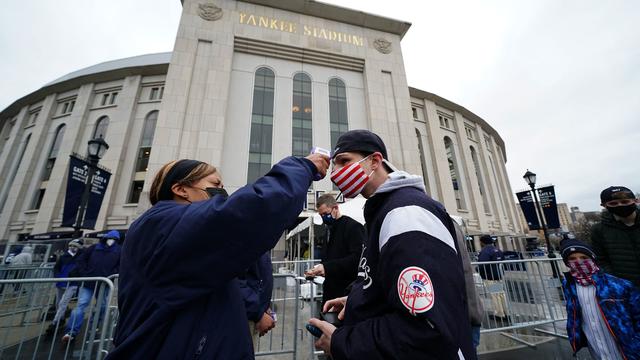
{"points": [[623, 202]]}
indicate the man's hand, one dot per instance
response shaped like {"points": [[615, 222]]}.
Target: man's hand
{"points": [[317, 270], [335, 305], [321, 162], [324, 342], [265, 324]]}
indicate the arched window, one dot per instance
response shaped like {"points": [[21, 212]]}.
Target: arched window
{"points": [[478, 169], [495, 176], [48, 168], [338, 118], [301, 111], [260, 142], [14, 170], [101, 128], [453, 170], [144, 152], [423, 163]]}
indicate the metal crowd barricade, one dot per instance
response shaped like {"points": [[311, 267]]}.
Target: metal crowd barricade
{"points": [[285, 301], [521, 294], [25, 330]]}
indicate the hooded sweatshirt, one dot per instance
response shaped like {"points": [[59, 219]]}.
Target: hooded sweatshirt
{"points": [[409, 301], [24, 258], [617, 247]]}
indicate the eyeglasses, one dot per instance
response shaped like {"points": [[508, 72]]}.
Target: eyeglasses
{"points": [[623, 202]]}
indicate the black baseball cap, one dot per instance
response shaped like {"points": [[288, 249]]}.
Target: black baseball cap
{"points": [[361, 141], [616, 193]]}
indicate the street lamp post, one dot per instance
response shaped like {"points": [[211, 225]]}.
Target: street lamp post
{"points": [[530, 178], [95, 151]]}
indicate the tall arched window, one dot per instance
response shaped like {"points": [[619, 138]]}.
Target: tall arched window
{"points": [[48, 168], [338, 118], [144, 152], [14, 170], [495, 176], [101, 128], [423, 163], [301, 115], [453, 170], [478, 169], [260, 143]]}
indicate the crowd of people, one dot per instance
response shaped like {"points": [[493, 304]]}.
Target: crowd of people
{"points": [[402, 284]]}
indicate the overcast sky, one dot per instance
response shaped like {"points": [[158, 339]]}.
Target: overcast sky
{"points": [[559, 80]]}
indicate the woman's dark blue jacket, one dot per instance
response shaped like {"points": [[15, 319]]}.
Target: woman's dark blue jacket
{"points": [[178, 296]]}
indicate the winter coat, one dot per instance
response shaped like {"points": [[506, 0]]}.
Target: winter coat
{"points": [[24, 258], [97, 260], [490, 271], [256, 286], [619, 302], [341, 256], [474, 304], [617, 247], [409, 301], [63, 267], [179, 296]]}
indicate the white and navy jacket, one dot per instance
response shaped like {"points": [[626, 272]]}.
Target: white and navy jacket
{"points": [[409, 301]]}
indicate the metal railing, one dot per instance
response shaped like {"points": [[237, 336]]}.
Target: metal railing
{"points": [[27, 329], [519, 294]]}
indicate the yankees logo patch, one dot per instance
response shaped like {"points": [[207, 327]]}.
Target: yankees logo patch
{"points": [[415, 290]]}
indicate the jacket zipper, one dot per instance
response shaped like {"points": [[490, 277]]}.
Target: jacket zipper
{"points": [[573, 343], [609, 327], [201, 344]]}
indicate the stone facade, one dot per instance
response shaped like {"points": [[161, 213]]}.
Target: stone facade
{"points": [[205, 111]]}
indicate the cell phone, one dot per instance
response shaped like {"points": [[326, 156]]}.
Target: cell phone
{"points": [[314, 330]]}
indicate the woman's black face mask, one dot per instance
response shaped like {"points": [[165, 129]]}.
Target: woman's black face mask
{"points": [[212, 191]]}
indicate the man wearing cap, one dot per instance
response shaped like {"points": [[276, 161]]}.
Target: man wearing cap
{"points": [[492, 274], [66, 290], [409, 301], [616, 238], [99, 260]]}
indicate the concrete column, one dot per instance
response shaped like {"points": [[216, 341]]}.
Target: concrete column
{"points": [[53, 201]]}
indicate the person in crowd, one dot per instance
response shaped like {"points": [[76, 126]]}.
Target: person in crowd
{"points": [[65, 290], [492, 274], [25, 257], [409, 301], [98, 260], [342, 251], [603, 311], [474, 303], [616, 238], [256, 286], [192, 307]]}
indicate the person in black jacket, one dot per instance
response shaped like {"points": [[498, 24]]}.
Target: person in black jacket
{"points": [[66, 290], [99, 260], [409, 301], [256, 286], [342, 251]]}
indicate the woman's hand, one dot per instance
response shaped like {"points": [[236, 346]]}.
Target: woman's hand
{"points": [[324, 342]]}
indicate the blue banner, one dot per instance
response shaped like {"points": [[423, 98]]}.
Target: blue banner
{"points": [[549, 206], [76, 181], [529, 209], [77, 178], [98, 189]]}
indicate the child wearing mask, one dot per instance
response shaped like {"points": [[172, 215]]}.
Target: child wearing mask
{"points": [[603, 311]]}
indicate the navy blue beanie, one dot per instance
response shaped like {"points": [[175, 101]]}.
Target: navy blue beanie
{"points": [[570, 246]]}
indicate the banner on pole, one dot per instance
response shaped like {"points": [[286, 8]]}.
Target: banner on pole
{"points": [[76, 181], [549, 206], [529, 209]]}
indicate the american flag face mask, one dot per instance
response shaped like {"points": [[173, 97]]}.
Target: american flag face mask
{"points": [[351, 179], [581, 270]]}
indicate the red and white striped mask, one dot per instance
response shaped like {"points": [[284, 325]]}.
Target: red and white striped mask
{"points": [[351, 179], [581, 270]]}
